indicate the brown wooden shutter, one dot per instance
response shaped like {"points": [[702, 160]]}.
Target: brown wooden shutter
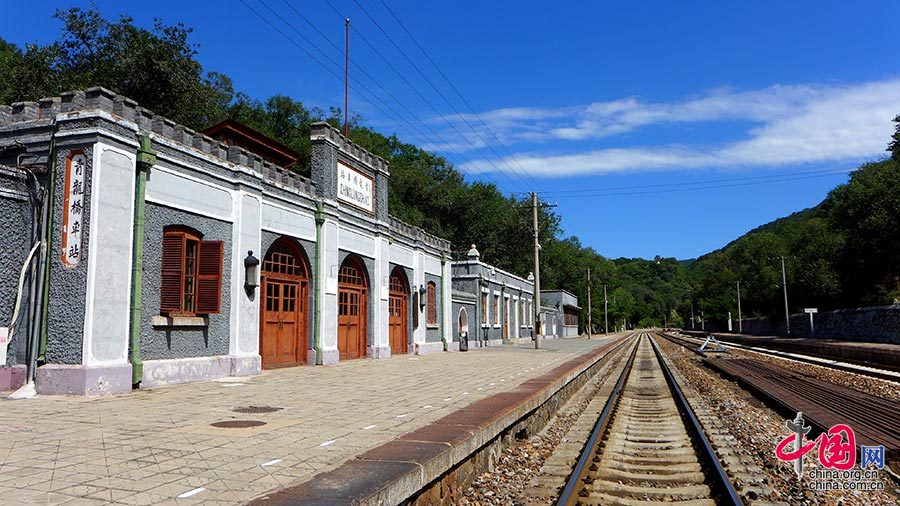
{"points": [[209, 277], [172, 273], [432, 310]]}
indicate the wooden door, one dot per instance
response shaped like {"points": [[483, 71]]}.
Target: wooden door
{"points": [[285, 306], [506, 319], [352, 314], [398, 312]]}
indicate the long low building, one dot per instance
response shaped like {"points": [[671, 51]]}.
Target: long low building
{"points": [[171, 256], [492, 306]]}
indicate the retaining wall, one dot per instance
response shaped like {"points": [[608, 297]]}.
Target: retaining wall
{"points": [[879, 324]]}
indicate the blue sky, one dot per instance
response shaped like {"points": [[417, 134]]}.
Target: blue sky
{"points": [[643, 121]]}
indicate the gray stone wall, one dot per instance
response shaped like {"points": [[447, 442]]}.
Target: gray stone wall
{"points": [[470, 308], [168, 342], [15, 235], [65, 315], [879, 324]]}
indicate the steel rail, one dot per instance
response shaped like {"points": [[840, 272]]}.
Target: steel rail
{"points": [[727, 493], [871, 371], [568, 493]]}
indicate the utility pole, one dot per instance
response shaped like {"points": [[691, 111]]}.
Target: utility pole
{"points": [[347, 77], [740, 320], [702, 321], [787, 314], [605, 313], [590, 308], [537, 273]]}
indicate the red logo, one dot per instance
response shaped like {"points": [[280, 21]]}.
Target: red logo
{"points": [[837, 447]]}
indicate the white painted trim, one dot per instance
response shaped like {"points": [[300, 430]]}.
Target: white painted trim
{"points": [[90, 288], [187, 208]]}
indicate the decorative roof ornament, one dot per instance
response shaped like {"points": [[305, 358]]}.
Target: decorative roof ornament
{"points": [[473, 253]]}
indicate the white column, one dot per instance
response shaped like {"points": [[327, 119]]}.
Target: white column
{"points": [[380, 280], [447, 317], [418, 280], [246, 236], [107, 308], [329, 270]]}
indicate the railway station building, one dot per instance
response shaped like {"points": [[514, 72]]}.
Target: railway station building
{"points": [[491, 305], [563, 310], [165, 256]]}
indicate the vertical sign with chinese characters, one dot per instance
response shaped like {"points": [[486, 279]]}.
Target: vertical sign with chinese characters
{"points": [[355, 188], [73, 208]]}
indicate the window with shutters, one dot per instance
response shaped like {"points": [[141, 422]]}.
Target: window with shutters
{"points": [[484, 309], [191, 280], [496, 310], [432, 306]]}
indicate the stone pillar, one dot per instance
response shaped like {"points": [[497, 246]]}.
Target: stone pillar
{"points": [[379, 291], [246, 236]]}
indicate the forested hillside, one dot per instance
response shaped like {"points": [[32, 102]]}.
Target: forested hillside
{"points": [[844, 252]]}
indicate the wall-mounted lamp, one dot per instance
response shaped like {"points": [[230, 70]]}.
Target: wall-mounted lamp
{"points": [[422, 293], [251, 272]]}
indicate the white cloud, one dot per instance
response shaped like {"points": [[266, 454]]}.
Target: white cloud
{"points": [[794, 125]]}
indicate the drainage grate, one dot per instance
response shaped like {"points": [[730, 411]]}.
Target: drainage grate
{"points": [[238, 424], [256, 409]]}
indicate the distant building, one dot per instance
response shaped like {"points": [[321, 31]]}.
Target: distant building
{"points": [[489, 304], [563, 311], [233, 133]]}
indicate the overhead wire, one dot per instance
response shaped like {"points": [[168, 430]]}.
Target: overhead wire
{"points": [[422, 136], [373, 98], [455, 90], [783, 178], [425, 99], [557, 193]]}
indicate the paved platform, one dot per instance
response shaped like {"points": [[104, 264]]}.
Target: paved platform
{"points": [[157, 446]]}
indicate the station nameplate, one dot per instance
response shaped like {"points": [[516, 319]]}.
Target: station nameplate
{"points": [[355, 188]]}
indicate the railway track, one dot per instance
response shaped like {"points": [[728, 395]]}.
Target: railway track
{"points": [[647, 445], [879, 371], [823, 403]]}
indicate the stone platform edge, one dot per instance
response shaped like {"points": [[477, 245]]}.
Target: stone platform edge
{"points": [[400, 470]]}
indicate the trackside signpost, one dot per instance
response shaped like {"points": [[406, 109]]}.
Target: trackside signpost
{"points": [[811, 311]]}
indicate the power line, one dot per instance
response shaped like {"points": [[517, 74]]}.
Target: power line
{"points": [[370, 77], [455, 90], [396, 116], [560, 193], [426, 100], [709, 187], [449, 146]]}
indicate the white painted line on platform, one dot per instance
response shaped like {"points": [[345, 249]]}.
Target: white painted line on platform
{"points": [[427, 406], [448, 399], [232, 384], [328, 443], [501, 380], [492, 384], [367, 427], [480, 388], [402, 416], [190, 493], [465, 393], [270, 463]]}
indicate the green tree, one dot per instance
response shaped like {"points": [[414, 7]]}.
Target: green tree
{"points": [[894, 146]]}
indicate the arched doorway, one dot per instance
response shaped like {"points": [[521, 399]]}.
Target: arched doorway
{"points": [[398, 311], [284, 310], [463, 321], [353, 296]]}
